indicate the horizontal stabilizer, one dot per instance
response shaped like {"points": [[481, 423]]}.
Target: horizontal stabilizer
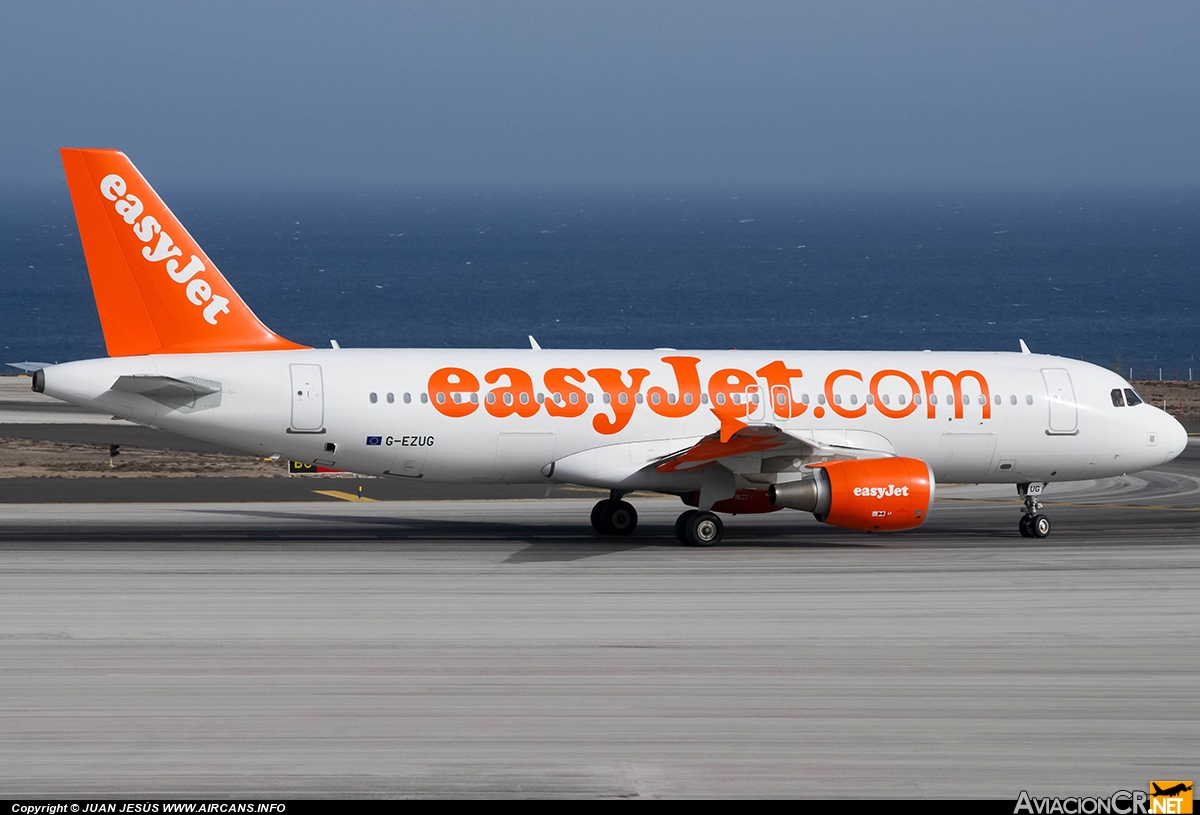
{"points": [[28, 367], [167, 389]]}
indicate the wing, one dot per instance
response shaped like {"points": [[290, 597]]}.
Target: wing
{"points": [[759, 454], [752, 439], [756, 451]]}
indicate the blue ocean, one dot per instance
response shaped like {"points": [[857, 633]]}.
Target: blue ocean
{"points": [[1110, 277]]}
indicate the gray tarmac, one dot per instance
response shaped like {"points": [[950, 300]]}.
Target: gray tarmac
{"points": [[467, 648]]}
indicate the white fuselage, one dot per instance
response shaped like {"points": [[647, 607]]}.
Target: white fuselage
{"points": [[1011, 418]]}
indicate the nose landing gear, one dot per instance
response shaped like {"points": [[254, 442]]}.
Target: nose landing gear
{"points": [[1033, 523]]}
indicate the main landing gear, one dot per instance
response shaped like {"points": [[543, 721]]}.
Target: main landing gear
{"points": [[699, 528], [1033, 523], [614, 516]]}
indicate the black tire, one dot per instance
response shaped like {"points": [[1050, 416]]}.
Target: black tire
{"points": [[620, 518], [1026, 527], [681, 525], [1040, 525], [704, 529], [598, 519]]}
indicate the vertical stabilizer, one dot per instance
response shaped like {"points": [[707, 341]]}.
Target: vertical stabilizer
{"points": [[156, 290]]}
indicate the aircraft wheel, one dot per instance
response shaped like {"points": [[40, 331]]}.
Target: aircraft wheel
{"points": [[1040, 525], [703, 529], [681, 525], [1026, 527], [620, 518], [598, 520]]}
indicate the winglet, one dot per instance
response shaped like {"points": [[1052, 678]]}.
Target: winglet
{"points": [[730, 424], [156, 290], [1024, 347]]}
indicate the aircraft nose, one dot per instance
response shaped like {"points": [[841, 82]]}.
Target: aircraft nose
{"points": [[1174, 438]]}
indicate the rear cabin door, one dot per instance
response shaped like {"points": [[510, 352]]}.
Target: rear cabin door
{"points": [[308, 399], [1064, 413]]}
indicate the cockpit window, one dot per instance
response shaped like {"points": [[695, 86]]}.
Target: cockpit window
{"points": [[1131, 397], [1118, 399]]}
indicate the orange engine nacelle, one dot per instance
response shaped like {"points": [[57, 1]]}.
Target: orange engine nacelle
{"points": [[871, 495]]}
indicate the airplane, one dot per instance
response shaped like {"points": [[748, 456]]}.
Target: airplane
{"points": [[1170, 792], [858, 439]]}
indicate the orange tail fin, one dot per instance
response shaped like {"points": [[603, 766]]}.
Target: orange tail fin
{"points": [[156, 290]]}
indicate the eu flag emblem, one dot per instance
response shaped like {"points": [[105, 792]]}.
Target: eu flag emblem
{"points": [[374, 441]]}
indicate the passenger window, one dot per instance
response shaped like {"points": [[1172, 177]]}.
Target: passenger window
{"points": [[998, 400], [982, 399], [703, 399], [1029, 400], [670, 398], [391, 397], [623, 398], [1132, 398], [491, 398], [374, 398], [950, 399], [524, 399], [820, 398], [1118, 398], [901, 400], [474, 399], [541, 397], [837, 398], [441, 397], [424, 398], [804, 398], [933, 398], [720, 398], [1012, 399], [654, 399], [590, 398], [917, 399], [408, 398], [574, 399], [607, 398], [854, 399], [638, 398], [687, 398], [886, 399]]}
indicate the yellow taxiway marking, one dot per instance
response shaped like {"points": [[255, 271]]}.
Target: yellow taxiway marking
{"points": [[1078, 504], [345, 496]]}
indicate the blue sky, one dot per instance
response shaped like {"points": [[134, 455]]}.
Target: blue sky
{"points": [[839, 95]]}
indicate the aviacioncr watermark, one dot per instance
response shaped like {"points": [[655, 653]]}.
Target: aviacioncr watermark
{"points": [[1121, 802]]}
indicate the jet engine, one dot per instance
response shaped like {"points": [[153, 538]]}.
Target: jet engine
{"points": [[870, 495]]}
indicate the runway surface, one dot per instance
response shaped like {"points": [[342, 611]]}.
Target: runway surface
{"points": [[498, 648]]}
